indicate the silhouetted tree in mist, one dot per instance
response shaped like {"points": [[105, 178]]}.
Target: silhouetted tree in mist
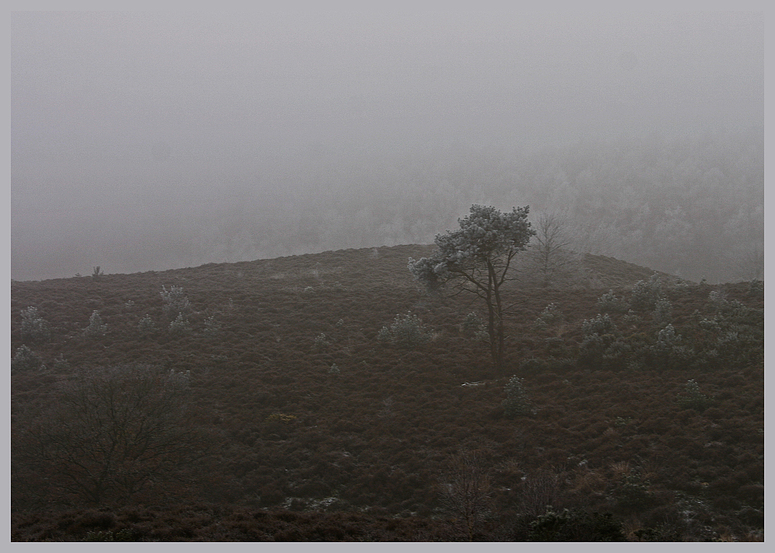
{"points": [[477, 259]]}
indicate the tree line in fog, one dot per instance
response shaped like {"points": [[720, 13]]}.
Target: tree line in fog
{"points": [[687, 206]]}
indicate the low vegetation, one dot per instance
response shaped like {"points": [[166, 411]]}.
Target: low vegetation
{"points": [[285, 400]]}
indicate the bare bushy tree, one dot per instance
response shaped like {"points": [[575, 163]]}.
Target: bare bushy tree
{"points": [[465, 491], [550, 253], [539, 490], [110, 432]]}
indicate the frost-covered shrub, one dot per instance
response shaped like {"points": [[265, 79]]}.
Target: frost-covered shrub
{"points": [[517, 403], [406, 331], [631, 318], [633, 492], [534, 365], [645, 294], [611, 303], [668, 352], [667, 339], [551, 315], [34, 328], [60, 363], [617, 355], [594, 349], [602, 345], [96, 326], [663, 311], [26, 360], [212, 327], [472, 325], [601, 324], [321, 341], [175, 301], [755, 288], [575, 526], [180, 325], [146, 325], [680, 286], [692, 398], [717, 298], [125, 534]]}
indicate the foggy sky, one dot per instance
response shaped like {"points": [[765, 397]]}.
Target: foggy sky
{"points": [[122, 121]]}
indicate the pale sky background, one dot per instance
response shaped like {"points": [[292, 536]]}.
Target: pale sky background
{"points": [[113, 114]]}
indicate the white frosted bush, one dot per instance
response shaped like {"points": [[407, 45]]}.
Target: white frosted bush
{"points": [[96, 326], [406, 331], [175, 301], [34, 327], [517, 403]]}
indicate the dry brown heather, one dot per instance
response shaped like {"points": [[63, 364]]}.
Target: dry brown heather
{"points": [[301, 453]]}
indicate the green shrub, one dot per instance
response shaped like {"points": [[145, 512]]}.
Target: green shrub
{"points": [[406, 331], [34, 328], [517, 403]]}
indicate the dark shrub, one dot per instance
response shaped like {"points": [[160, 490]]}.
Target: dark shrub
{"points": [[575, 526]]}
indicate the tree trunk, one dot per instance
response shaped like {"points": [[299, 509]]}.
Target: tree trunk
{"points": [[495, 309]]}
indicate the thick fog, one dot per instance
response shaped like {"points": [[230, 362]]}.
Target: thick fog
{"points": [[150, 141]]}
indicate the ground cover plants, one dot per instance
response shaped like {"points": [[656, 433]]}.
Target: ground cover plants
{"points": [[630, 406]]}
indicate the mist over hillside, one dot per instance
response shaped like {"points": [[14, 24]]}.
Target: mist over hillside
{"points": [[153, 141]]}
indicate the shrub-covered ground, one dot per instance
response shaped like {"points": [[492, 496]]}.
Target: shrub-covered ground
{"points": [[317, 421]]}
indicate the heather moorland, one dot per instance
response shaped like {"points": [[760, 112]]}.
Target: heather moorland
{"points": [[330, 397]]}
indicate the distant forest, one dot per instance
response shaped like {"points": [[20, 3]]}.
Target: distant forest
{"points": [[691, 207]]}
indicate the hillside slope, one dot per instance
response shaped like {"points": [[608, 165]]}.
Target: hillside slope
{"points": [[302, 407]]}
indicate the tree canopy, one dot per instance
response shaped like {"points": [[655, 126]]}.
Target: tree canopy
{"points": [[477, 259]]}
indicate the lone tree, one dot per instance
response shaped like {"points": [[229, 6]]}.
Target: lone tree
{"points": [[466, 491], [550, 251], [477, 259]]}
